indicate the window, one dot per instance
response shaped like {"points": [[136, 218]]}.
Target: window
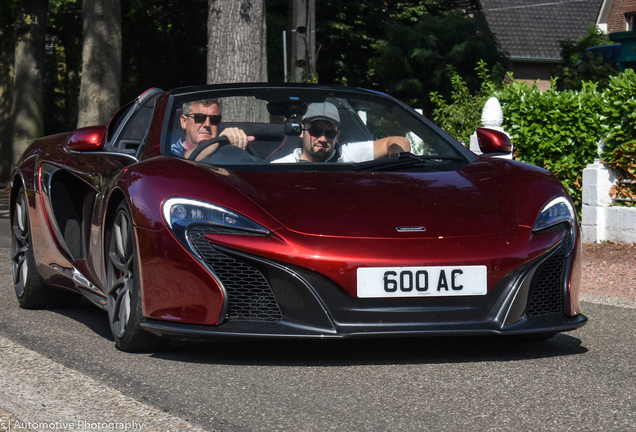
{"points": [[630, 18]]}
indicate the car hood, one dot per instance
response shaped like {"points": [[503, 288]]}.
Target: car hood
{"points": [[475, 200]]}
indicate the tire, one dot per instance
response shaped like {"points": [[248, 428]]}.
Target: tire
{"points": [[30, 291], [124, 291]]}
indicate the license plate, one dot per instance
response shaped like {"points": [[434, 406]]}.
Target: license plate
{"points": [[375, 282]]}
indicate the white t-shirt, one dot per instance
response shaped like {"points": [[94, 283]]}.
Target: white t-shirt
{"points": [[349, 153]]}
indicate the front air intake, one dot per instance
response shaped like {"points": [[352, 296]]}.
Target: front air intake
{"points": [[249, 294], [546, 293]]}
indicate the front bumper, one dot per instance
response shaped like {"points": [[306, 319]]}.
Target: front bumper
{"points": [[282, 301]]}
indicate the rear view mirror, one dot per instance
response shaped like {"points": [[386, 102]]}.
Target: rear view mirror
{"points": [[493, 142], [293, 128], [90, 138]]}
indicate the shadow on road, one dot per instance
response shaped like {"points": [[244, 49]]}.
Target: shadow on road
{"points": [[90, 316], [460, 349], [373, 351], [348, 352]]}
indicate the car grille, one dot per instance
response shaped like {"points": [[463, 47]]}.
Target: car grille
{"points": [[249, 294], [546, 295]]}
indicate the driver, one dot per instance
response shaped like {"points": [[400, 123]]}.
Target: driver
{"points": [[200, 120], [321, 125]]}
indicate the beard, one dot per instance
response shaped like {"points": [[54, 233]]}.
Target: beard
{"points": [[321, 155]]}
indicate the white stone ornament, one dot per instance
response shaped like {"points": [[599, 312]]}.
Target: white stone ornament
{"points": [[492, 115], [491, 118]]}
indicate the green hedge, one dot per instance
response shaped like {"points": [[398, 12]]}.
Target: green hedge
{"points": [[619, 131], [557, 130]]}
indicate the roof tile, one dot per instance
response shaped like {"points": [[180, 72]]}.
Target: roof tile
{"points": [[532, 29]]}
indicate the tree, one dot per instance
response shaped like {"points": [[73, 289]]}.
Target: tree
{"points": [[277, 23], [303, 53], [100, 87], [349, 33], [28, 112], [580, 66], [7, 49], [63, 62], [236, 41], [164, 44], [237, 48], [414, 59]]}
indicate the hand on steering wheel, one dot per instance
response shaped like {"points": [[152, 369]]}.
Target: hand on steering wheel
{"points": [[221, 140]]}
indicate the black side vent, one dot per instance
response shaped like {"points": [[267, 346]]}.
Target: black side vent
{"points": [[249, 294], [67, 209], [546, 294]]}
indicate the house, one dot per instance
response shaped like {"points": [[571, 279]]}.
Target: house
{"points": [[530, 30], [617, 16], [618, 19]]}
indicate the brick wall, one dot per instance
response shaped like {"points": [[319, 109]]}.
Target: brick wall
{"points": [[616, 20]]}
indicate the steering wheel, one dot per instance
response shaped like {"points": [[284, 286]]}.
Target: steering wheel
{"points": [[222, 140]]}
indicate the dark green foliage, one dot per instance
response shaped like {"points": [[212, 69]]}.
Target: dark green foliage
{"points": [[619, 126], [414, 59], [8, 11], [164, 44], [349, 33], [462, 116], [62, 64], [557, 131], [277, 22], [579, 67]]}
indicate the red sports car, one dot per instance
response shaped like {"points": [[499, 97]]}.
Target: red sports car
{"points": [[295, 211]]}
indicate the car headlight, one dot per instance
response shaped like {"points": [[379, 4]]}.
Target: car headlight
{"points": [[181, 213], [556, 211]]}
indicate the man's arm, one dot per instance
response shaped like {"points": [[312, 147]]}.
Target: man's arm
{"points": [[385, 147]]}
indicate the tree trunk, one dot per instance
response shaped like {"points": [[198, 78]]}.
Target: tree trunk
{"points": [[237, 50], [7, 48], [100, 86], [28, 96], [71, 90], [236, 41], [303, 40]]}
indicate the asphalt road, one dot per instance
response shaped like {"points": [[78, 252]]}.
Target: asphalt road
{"points": [[579, 381]]}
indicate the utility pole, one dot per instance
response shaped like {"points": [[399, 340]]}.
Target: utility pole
{"points": [[303, 55]]}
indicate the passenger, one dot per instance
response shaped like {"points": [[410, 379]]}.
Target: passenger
{"points": [[321, 125], [200, 120]]}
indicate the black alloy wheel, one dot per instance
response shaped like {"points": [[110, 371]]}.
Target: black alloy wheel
{"points": [[29, 289], [31, 292], [124, 292]]}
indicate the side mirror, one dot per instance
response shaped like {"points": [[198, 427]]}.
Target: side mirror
{"points": [[493, 142], [90, 138]]}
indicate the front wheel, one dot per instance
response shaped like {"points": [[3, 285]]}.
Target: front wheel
{"points": [[124, 291]]}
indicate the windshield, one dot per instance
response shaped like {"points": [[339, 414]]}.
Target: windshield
{"points": [[304, 129]]}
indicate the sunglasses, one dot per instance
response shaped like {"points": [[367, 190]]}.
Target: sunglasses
{"points": [[200, 118], [317, 132]]}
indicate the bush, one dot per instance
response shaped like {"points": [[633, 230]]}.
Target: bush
{"points": [[554, 130], [463, 115], [619, 127], [557, 131]]}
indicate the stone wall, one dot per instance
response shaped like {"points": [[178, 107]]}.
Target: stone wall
{"points": [[602, 221]]}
